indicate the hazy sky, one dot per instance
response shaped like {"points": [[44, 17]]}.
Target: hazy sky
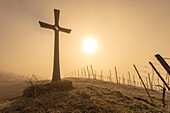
{"points": [[127, 32]]}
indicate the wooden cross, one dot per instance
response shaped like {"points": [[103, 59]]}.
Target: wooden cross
{"points": [[56, 28]]}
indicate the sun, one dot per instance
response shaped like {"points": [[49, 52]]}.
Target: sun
{"points": [[90, 45]]}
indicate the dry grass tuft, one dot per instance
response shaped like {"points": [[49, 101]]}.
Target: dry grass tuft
{"points": [[37, 87]]}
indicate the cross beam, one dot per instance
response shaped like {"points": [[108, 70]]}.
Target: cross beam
{"points": [[56, 67]]}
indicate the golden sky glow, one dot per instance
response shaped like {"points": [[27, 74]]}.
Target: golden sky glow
{"points": [[126, 31]]}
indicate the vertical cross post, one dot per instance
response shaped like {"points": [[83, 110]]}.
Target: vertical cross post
{"points": [[56, 67]]}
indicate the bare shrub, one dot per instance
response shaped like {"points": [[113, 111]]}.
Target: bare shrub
{"points": [[34, 80], [37, 87], [33, 85]]}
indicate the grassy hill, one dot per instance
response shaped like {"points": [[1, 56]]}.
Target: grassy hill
{"points": [[90, 96]]}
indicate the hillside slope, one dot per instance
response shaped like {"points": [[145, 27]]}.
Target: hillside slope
{"points": [[90, 96]]}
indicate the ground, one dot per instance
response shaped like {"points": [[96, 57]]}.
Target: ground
{"points": [[90, 96], [11, 89]]}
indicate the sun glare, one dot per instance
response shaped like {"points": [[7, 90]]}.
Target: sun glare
{"points": [[90, 45]]}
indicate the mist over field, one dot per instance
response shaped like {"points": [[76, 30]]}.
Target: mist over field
{"points": [[127, 32], [75, 56]]}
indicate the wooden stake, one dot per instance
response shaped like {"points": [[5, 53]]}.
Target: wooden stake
{"points": [[158, 81], [92, 72], [143, 83], [129, 78], [116, 75], [84, 72], [134, 82], [75, 73], [168, 80], [163, 63], [151, 85], [110, 75], [159, 76], [101, 76], [123, 80], [78, 73], [88, 72], [140, 84], [147, 82], [152, 76]]}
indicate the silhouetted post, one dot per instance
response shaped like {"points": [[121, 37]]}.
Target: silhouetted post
{"points": [[84, 72], [56, 28], [101, 76], [159, 76], [140, 84], [72, 74], [137, 83], [88, 72], [129, 78], [134, 82], [123, 79], [143, 83], [116, 74], [158, 81], [152, 77], [151, 85], [95, 75], [163, 63], [163, 96], [147, 83], [75, 73], [78, 73], [92, 72], [110, 75], [168, 79]]}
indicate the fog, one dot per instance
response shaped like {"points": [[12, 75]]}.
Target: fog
{"points": [[127, 32]]}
